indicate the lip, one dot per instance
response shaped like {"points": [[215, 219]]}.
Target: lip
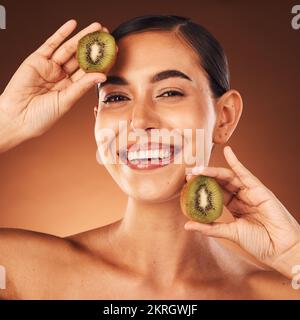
{"points": [[148, 165]]}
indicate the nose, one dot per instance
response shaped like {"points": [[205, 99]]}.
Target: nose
{"points": [[144, 117]]}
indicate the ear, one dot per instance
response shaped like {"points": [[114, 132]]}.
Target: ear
{"points": [[229, 109], [95, 111]]}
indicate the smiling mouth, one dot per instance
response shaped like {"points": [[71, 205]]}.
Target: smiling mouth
{"points": [[149, 155]]}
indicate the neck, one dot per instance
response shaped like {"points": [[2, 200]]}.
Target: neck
{"points": [[158, 242]]}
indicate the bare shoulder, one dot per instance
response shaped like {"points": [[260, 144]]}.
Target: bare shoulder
{"points": [[44, 266], [27, 256], [95, 241], [18, 243], [268, 284]]}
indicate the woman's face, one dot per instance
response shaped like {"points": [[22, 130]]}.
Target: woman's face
{"points": [[143, 102]]}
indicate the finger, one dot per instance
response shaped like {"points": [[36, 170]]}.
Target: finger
{"points": [[239, 208], [227, 195], [71, 66], [79, 74], [246, 177], [215, 229], [48, 47], [230, 183], [188, 177], [225, 177], [105, 29], [67, 50], [76, 90]]}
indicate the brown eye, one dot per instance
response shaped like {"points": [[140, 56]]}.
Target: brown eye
{"points": [[171, 93], [114, 98]]}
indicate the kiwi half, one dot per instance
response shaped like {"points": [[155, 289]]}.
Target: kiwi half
{"points": [[201, 199], [96, 52]]}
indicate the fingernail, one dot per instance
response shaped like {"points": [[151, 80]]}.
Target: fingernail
{"points": [[188, 226], [188, 177], [100, 79], [197, 170], [228, 148], [96, 24]]}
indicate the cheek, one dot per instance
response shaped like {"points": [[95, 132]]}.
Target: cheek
{"points": [[107, 121], [105, 131], [195, 113], [198, 119], [102, 120]]}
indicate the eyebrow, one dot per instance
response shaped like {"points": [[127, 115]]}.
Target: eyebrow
{"points": [[166, 74]]}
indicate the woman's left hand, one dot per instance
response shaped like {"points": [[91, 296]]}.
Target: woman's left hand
{"points": [[262, 226]]}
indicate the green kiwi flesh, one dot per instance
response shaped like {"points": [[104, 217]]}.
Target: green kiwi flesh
{"points": [[96, 52], [202, 199]]}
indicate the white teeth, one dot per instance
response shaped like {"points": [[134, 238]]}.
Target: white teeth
{"points": [[155, 153], [145, 154], [130, 156]]}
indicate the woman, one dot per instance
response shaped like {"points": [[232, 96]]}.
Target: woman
{"points": [[153, 252]]}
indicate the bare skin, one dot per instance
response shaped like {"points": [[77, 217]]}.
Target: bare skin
{"points": [[152, 253], [89, 266]]}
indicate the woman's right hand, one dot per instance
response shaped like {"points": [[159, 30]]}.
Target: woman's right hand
{"points": [[262, 225], [46, 85]]}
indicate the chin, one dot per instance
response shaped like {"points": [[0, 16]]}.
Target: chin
{"points": [[158, 185], [153, 195]]}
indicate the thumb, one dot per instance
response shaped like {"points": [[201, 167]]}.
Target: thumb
{"points": [[215, 229], [69, 96]]}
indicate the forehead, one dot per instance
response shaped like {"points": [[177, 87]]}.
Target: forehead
{"points": [[147, 52]]}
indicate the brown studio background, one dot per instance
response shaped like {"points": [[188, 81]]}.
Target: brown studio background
{"points": [[53, 184]]}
